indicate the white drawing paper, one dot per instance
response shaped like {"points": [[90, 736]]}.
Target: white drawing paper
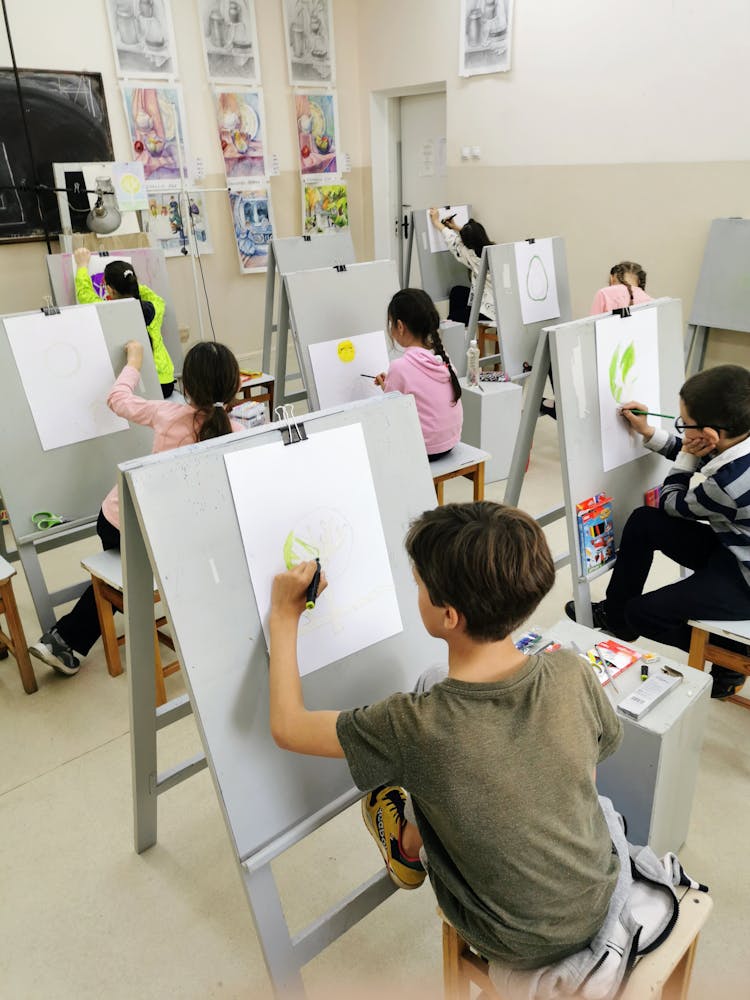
{"points": [[537, 281], [318, 499], [485, 32], [66, 373], [434, 235], [343, 369], [142, 38], [627, 365]]}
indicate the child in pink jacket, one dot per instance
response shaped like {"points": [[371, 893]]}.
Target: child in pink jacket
{"points": [[211, 379], [627, 287], [424, 371]]}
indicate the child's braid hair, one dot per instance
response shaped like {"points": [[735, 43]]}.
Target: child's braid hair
{"points": [[437, 346], [629, 268]]}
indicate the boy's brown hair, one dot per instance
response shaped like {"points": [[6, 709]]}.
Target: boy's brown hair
{"points": [[488, 561], [720, 398]]}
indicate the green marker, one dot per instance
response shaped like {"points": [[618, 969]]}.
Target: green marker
{"points": [[312, 590]]}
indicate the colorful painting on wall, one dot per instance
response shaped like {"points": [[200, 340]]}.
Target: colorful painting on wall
{"points": [[230, 40], [142, 38], [155, 121], [176, 223], [317, 133], [309, 42], [253, 227], [325, 208], [241, 119]]}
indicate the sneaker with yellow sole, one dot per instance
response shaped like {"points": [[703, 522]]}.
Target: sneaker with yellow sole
{"points": [[383, 813]]}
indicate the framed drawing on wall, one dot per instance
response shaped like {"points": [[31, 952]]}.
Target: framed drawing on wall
{"points": [[230, 40], [308, 25]]}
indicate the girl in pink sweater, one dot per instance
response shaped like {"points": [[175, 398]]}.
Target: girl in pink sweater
{"points": [[627, 287], [211, 380], [424, 371]]}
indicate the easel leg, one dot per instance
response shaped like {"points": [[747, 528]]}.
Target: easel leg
{"points": [[282, 343], [45, 610], [273, 933], [138, 585], [268, 320], [529, 417]]}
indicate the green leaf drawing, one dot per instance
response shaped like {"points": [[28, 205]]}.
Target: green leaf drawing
{"points": [[296, 550], [613, 373], [620, 368], [628, 360]]}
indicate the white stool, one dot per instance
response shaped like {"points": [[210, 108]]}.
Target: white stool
{"points": [[462, 460], [492, 416], [702, 650]]}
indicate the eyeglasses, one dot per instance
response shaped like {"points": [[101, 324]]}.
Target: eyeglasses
{"points": [[680, 426]]}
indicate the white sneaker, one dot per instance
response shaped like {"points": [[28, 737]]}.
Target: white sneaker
{"points": [[55, 652]]}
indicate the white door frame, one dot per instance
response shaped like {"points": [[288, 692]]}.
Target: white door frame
{"points": [[385, 137]]}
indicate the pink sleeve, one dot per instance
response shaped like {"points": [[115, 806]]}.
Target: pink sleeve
{"points": [[123, 401], [394, 379], [599, 305]]}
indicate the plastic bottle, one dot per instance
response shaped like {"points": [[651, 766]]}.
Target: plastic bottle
{"points": [[472, 364]]}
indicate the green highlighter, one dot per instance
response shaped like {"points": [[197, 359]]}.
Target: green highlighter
{"points": [[312, 590]]}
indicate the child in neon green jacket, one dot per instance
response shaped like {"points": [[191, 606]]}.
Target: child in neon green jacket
{"points": [[121, 283]]}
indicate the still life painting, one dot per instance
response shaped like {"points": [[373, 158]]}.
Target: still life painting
{"points": [[316, 133], [253, 227], [240, 119], [230, 40], [485, 36], [142, 37], [309, 41], [156, 131]]}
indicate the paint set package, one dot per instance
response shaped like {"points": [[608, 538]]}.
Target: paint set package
{"points": [[652, 497], [596, 533]]}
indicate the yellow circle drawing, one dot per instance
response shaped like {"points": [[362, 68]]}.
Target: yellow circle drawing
{"points": [[130, 183], [346, 351]]}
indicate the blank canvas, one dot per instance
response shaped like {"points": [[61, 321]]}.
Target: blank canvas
{"points": [[343, 368], [66, 373], [317, 497]]}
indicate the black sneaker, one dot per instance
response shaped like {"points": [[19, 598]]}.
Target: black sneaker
{"points": [[725, 683], [55, 652], [601, 620]]}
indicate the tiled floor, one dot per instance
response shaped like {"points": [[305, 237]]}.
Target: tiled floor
{"points": [[82, 916]]}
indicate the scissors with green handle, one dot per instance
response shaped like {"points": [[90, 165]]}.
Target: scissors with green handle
{"points": [[44, 519]]}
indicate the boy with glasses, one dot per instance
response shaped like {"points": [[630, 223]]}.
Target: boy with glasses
{"points": [[706, 528]]}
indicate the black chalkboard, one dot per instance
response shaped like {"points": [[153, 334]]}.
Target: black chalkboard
{"points": [[66, 115]]}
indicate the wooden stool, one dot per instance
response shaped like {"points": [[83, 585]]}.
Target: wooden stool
{"points": [[487, 333], [15, 642], [663, 973], [265, 383], [106, 577], [702, 650], [462, 460]]}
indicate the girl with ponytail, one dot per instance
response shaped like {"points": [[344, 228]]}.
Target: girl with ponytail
{"points": [[121, 282], [424, 371], [211, 380], [627, 287]]}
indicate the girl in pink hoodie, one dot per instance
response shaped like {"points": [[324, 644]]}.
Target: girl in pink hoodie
{"points": [[627, 287], [424, 371]]}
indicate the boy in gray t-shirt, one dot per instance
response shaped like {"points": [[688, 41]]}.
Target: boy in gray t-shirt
{"points": [[498, 757]]}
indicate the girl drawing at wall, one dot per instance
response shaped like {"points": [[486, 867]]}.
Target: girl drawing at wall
{"points": [[424, 371], [466, 244]]}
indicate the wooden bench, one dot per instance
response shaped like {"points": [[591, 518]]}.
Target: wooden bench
{"points": [[14, 641], [463, 460], [664, 973], [106, 577], [702, 650]]}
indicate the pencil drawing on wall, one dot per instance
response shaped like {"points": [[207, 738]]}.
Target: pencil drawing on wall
{"points": [[309, 41], [485, 36], [230, 40], [142, 37]]}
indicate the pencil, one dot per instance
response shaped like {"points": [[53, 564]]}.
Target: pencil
{"points": [[367, 376], [648, 413]]}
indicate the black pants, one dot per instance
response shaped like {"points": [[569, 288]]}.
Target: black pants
{"points": [[167, 388], [715, 590], [80, 627], [439, 454]]}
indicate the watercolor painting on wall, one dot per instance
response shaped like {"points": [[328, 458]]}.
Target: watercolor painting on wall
{"points": [[325, 208], [485, 31], [627, 365], [241, 126], [334, 518], [155, 121], [316, 133], [142, 37], [230, 40], [253, 227], [176, 221], [309, 42]]}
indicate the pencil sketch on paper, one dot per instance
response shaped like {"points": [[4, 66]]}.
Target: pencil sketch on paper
{"points": [[142, 37], [230, 40], [309, 41], [485, 36]]}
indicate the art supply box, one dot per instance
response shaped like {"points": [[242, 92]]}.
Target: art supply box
{"points": [[596, 533]]}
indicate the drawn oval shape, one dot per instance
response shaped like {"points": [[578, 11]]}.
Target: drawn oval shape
{"points": [[537, 282]]}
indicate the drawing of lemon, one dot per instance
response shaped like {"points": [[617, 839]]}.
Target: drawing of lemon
{"points": [[325, 534], [346, 351], [130, 183]]}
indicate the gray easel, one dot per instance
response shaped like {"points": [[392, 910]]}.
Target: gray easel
{"points": [[439, 272], [571, 350], [294, 253], [517, 340], [722, 298], [270, 799], [337, 302], [151, 267], [71, 480]]}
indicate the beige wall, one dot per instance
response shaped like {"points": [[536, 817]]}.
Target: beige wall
{"points": [[622, 131]]}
